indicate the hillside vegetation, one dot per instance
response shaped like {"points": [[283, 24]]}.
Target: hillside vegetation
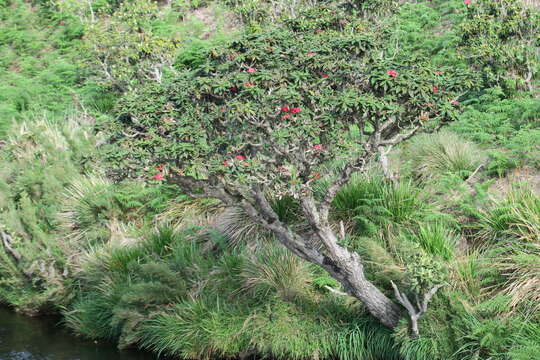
{"points": [[94, 228]]}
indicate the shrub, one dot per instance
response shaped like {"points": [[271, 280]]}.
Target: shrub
{"points": [[124, 50], [29, 193]]}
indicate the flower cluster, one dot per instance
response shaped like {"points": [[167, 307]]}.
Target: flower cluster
{"points": [[159, 176], [289, 111], [237, 157]]}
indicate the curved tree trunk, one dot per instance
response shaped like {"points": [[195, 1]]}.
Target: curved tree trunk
{"points": [[343, 265]]}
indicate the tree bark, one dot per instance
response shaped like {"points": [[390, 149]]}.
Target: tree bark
{"points": [[346, 267], [343, 265]]}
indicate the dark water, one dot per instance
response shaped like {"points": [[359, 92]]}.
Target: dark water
{"points": [[24, 338]]}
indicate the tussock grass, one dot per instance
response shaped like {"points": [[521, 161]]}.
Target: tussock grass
{"points": [[275, 270], [436, 239], [432, 155], [372, 202]]}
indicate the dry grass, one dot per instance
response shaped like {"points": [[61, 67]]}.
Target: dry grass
{"points": [[274, 269], [193, 212], [517, 257]]}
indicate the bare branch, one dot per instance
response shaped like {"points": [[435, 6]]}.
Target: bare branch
{"points": [[429, 295], [400, 137], [7, 241], [415, 314], [335, 291], [403, 300]]}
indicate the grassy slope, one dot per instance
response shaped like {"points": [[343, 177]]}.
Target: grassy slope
{"points": [[99, 255], [38, 71]]}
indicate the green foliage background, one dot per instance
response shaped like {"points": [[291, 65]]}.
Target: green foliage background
{"points": [[140, 264]]}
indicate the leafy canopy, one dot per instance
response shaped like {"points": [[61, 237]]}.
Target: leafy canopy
{"points": [[275, 107]]}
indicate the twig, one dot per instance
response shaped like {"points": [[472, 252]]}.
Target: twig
{"points": [[337, 292]]}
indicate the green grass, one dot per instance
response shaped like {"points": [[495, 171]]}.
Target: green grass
{"points": [[437, 240], [138, 265], [434, 155]]}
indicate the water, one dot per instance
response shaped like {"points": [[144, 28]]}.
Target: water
{"points": [[24, 338]]}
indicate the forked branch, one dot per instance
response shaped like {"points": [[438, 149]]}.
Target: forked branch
{"points": [[421, 305]]}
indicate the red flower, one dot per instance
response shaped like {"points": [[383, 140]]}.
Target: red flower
{"points": [[160, 167], [318, 148], [286, 116], [296, 110], [233, 88], [439, 72], [158, 177], [392, 73], [435, 89], [285, 109], [249, 84], [240, 157], [251, 70], [467, 2], [311, 54], [316, 175], [225, 163], [454, 102], [324, 76], [318, 31]]}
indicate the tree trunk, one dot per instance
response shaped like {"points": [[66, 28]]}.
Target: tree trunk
{"points": [[350, 273], [344, 266]]}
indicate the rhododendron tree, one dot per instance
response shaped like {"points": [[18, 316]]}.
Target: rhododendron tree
{"points": [[278, 135]]}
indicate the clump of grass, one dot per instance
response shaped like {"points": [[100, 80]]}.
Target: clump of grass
{"points": [[203, 328], [432, 155], [373, 201], [513, 226], [185, 212], [356, 193], [88, 207], [239, 228], [436, 239], [466, 273], [275, 270]]}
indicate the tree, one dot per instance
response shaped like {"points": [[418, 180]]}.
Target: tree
{"points": [[272, 115]]}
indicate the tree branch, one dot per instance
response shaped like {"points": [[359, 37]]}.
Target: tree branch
{"points": [[335, 291], [400, 137], [415, 314], [7, 241]]}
